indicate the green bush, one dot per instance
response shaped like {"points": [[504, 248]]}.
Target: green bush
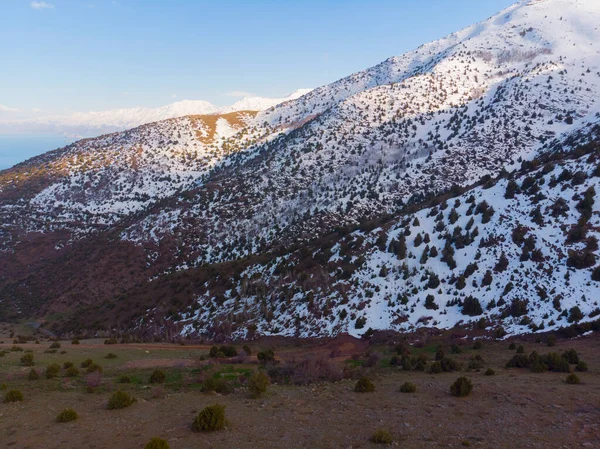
{"points": [[110, 355], [211, 418], [408, 387], [75, 342], [222, 351], [52, 371], [157, 443], [490, 372], [512, 346], [572, 379], [72, 371], [419, 362], [439, 354], [3, 387], [13, 396], [216, 385], [534, 357], [382, 437], [472, 306], [33, 375], [266, 356], [157, 377], [476, 363], [110, 341], [211, 385], [229, 351], [124, 380], [67, 365], [478, 344], [556, 363], [575, 313], [449, 365], [258, 383], [455, 349], [247, 349], [462, 387], [520, 349], [86, 363], [16, 348], [436, 368], [93, 368], [581, 366], [539, 367], [571, 356], [27, 359], [409, 363], [364, 385], [120, 399], [55, 345], [67, 415], [519, 361]]}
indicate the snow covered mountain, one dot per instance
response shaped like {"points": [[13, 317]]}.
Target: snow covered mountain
{"points": [[95, 123], [513, 255], [280, 221], [262, 103]]}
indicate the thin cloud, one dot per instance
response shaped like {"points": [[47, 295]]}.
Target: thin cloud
{"points": [[239, 93], [41, 5], [7, 109]]}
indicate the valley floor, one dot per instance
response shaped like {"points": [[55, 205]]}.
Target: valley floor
{"points": [[515, 408]]}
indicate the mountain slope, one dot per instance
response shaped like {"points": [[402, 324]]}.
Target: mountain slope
{"points": [[520, 252], [202, 197], [467, 107]]}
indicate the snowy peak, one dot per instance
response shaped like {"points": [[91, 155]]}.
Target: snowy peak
{"points": [[102, 122], [525, 33], [262, 103], [129, 118]]}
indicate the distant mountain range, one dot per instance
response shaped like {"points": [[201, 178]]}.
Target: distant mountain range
{"points": [[454, 185], [89, 124]]}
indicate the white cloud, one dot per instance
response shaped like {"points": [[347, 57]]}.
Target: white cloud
{"points": [[7, 109], [173, 96], [239, 93], [41, 5], [36, 110]]}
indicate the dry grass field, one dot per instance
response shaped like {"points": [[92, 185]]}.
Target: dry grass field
{"points": [[515, 408]]}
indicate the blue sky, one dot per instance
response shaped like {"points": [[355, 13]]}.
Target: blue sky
{"points": [[60, 56]]}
